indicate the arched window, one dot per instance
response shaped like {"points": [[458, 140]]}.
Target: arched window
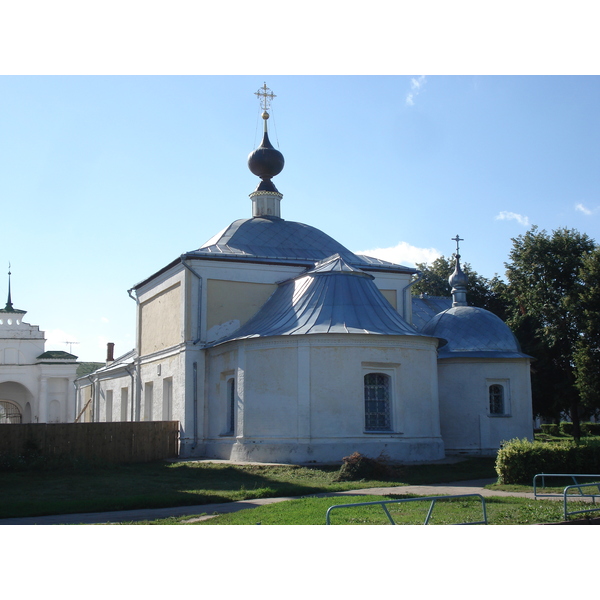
{"points": [[496, 392], [377, 402]]}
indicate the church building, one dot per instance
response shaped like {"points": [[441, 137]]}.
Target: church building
{"points": [[273, 342]]}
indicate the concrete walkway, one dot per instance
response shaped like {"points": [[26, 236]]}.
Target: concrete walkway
{"points": [[210, 510]]}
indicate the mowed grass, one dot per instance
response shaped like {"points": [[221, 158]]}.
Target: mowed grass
{"points": [[93, 488], [312, 511]]}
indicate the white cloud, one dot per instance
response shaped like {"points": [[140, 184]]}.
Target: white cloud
{"points": [[511, 216], [586, 211], [416, 85], [403, 254]]}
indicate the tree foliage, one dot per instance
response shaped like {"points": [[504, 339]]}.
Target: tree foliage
{"points": [[545, 288], [587, 348]]}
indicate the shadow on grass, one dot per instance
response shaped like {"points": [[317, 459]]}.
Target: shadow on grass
{"points": [[154, 485], [98, 488]]}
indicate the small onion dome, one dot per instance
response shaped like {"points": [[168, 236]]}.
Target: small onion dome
{"points": [[266, 162], [458, 278]]}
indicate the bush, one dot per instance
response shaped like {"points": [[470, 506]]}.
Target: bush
{"points": [[356, 467], [551, 429], [566, 428], [519, 460], [590, 428]]}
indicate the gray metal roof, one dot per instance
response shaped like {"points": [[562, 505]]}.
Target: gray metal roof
{"points": [[275, 239], [333, 297], [424, 308], [473, 332]]}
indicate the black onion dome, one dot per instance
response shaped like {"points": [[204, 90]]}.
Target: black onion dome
{"points": [[265, 162]]}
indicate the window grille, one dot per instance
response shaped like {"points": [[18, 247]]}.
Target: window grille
{"points": [[9, 413], [496, 399], [377, 402]]}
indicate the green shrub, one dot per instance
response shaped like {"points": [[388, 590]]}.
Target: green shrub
{"points": [[519, 460], [551, 429], [566, 428], [591, 428]]}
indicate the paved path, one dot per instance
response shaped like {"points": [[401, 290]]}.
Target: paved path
{"points": [[210, 510]]}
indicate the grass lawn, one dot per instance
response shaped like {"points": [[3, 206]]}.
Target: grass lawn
{"points": [[154, 485], [312, 511]]}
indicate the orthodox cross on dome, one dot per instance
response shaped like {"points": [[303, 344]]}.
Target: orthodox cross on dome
{"points": [[458, 280], [265, 96], [457, 239]]}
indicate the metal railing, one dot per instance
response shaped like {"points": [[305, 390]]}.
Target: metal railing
{"points": [[433, 500], [566, 496], [572, 476]]}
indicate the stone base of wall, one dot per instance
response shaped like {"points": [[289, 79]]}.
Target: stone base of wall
{"points": [[411, 450]]}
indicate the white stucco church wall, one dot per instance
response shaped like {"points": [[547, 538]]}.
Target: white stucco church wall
{"points": [[301, 398]]}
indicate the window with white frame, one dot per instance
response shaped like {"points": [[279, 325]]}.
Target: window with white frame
{"points": [[498, 398], [377, 392]]}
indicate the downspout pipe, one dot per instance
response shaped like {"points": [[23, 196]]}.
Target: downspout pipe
{"points": [[132, 390], [133, 397], [199, 277], [407, 295], [93, 394], [76, 386]]}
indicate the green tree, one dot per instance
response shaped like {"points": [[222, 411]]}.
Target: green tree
{"points": [[544, 293], [587, 349], [482, 292]]}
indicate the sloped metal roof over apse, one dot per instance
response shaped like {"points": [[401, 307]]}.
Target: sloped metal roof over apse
{"points": [[333, 297]]}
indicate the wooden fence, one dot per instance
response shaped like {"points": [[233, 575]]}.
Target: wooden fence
{"points": [[124, 442]]}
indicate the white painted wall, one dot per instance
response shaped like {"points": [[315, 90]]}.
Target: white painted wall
{"points": [[466, 423], [301, 398]]}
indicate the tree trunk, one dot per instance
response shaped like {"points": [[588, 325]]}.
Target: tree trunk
{"points": [[575, 419]]}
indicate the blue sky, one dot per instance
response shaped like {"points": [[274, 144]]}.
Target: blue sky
{"points": [[105, 179]]}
